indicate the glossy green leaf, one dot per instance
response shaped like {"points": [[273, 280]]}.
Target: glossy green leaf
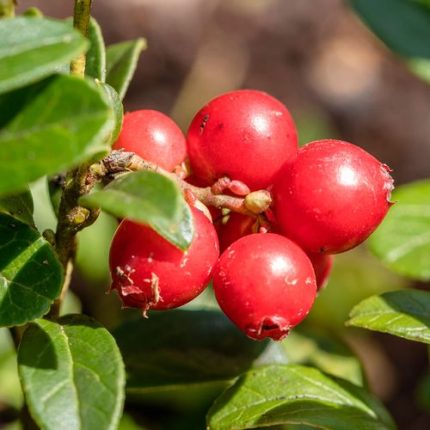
{"points": [[293, 394], [30, 274], [32, 48], [148, 198], [400, 313], [117, 107], [20, 206], [121, 63], [402, 242], [95, 65], [403, 25], [72, 374], [179, 349], [51, 126]]}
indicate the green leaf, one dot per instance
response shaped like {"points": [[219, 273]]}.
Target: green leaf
{"points": [[51, 126], [32, 48], [403, 25], [121, 63], [402, 242], [178, 349], [117, 107], [72, 374], [401, 313], [30, 274], [148, 198], [293, 394], [19, 206], [95, 65]]}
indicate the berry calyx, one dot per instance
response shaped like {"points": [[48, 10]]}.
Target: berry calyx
{"points": [[150, 273], [246, 135], [154, 137], [332, 197], [265, 284]]}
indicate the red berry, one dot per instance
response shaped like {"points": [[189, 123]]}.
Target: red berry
{"points": [[265, 284], [322, 264], [154, 137], [150, 273], [237, 226], [246, 135], [332, 197]]}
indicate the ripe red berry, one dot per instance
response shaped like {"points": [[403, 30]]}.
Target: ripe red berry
{"points": [[265, 284], [246, 135], [150, 273], [154, 137], [332, 197], [322, 264]]}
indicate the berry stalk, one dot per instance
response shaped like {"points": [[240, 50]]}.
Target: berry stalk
{"points": [[119, 162]]}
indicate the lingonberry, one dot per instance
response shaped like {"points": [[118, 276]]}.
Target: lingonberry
{"points": [[265, 284], [332, 197], [322, 264], [150, 273], [246, 135], [154, 137]]}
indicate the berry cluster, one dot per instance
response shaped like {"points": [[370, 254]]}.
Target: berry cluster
{"points": [[327, 197]]}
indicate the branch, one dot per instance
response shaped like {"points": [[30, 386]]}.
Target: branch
{"points": [[119, 162], [71, 217], [81, 19]]}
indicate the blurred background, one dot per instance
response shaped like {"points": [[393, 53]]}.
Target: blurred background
{"points": [[338, 81]]}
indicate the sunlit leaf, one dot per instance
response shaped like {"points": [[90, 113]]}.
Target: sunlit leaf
{"points": [[400, 313], [296, 395], [51, 126], [32, 48], [121, 63], [148, 198]]}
